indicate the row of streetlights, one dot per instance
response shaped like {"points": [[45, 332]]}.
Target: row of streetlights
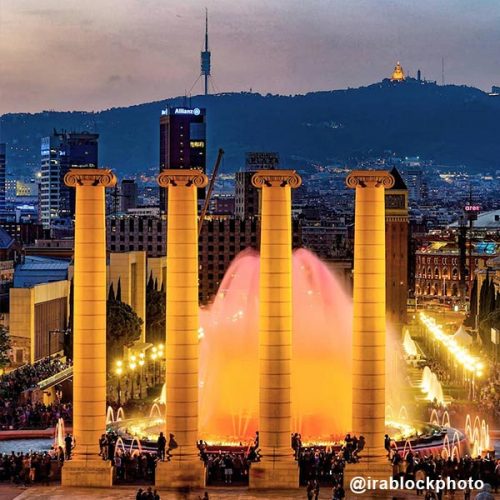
{"points": [[134, 361]]}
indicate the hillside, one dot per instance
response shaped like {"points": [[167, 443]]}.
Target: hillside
{"points": [[449, 124]]}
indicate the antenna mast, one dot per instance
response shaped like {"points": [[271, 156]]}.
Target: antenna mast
{"points": [[205, 56]]}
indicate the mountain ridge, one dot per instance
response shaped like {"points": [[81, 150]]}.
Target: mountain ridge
{"points": [[448, 124]]}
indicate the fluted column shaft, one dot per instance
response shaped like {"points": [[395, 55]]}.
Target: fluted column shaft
{"points": [[182, 309], [369, 322], [275, 312], [89, 330]]}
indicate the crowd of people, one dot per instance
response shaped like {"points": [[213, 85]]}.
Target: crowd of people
{"points": [[227, 467], [147, 494], [414, 466], [18, 412], [489, 395], [133, 465], [32, 415], [321, 465], [12, 384], [32, 467]]}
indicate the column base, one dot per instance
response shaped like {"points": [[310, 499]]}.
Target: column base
{"points": [[180, 474], [87, 473], [274, 475]]}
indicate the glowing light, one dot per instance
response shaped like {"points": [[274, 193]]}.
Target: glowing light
{"points": [[409, 345], [201, 333], [461, 354]]}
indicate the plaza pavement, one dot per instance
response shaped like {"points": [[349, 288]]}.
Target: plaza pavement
{"points": [[8, 492]]}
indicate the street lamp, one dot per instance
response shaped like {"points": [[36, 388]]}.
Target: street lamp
{"points": [[141, 364], [154, 355], [119, 371], [160, 357], [132, 365]]}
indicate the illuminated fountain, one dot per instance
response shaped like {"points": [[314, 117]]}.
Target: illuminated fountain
{"points": [[321, 385], [110, 415], [478, 435], [409, 345], [432, 387], [59, 434], [321, 393]]}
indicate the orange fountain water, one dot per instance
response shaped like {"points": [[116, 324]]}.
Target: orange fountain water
{"points": [[321, 375]]}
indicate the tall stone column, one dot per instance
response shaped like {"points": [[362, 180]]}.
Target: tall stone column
{"points": [[89, 331], [182, 347], [369, 322], [277, 468]]}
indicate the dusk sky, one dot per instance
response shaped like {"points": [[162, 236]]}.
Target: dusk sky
{"points": [[95, 54]]}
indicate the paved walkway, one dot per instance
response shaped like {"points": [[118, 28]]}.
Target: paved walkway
{"points": [[128, 493]]}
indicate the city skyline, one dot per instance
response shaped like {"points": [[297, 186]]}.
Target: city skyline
{"points": [[135, 52]]}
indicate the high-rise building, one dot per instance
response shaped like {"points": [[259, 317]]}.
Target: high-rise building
{"points": [[396, 249], [128, 195], [60, 152], [182, 142], [221, 239], [413, 175], [247, 196], [2, 179]]}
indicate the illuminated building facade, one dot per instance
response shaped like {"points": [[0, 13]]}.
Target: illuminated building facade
{"points": [[221, 239], [182, 141], [398, 75], [60, 152], [437, 271], [396, 248]]}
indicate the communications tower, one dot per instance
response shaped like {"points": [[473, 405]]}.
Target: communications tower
{"points": [[205, 56]]}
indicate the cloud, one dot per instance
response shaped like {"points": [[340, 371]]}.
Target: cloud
{"points": [[101, 53]]}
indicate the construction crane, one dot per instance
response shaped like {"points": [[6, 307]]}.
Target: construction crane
{"points": [[204, 210]]}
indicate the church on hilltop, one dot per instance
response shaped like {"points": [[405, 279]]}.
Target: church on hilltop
{"points": [[399, 77]]}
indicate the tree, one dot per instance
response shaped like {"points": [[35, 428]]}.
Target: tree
{"points": [[4, 347], [123, 328], [155, 315], [483, 297], [491, 297], [471, 318], [491, 321], [119, 291], [111, 293], [150, 284]]}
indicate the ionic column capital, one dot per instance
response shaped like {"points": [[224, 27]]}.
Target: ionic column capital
{"points": [[90, 177], [369, 178], [182, 177], [276, 178]]}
